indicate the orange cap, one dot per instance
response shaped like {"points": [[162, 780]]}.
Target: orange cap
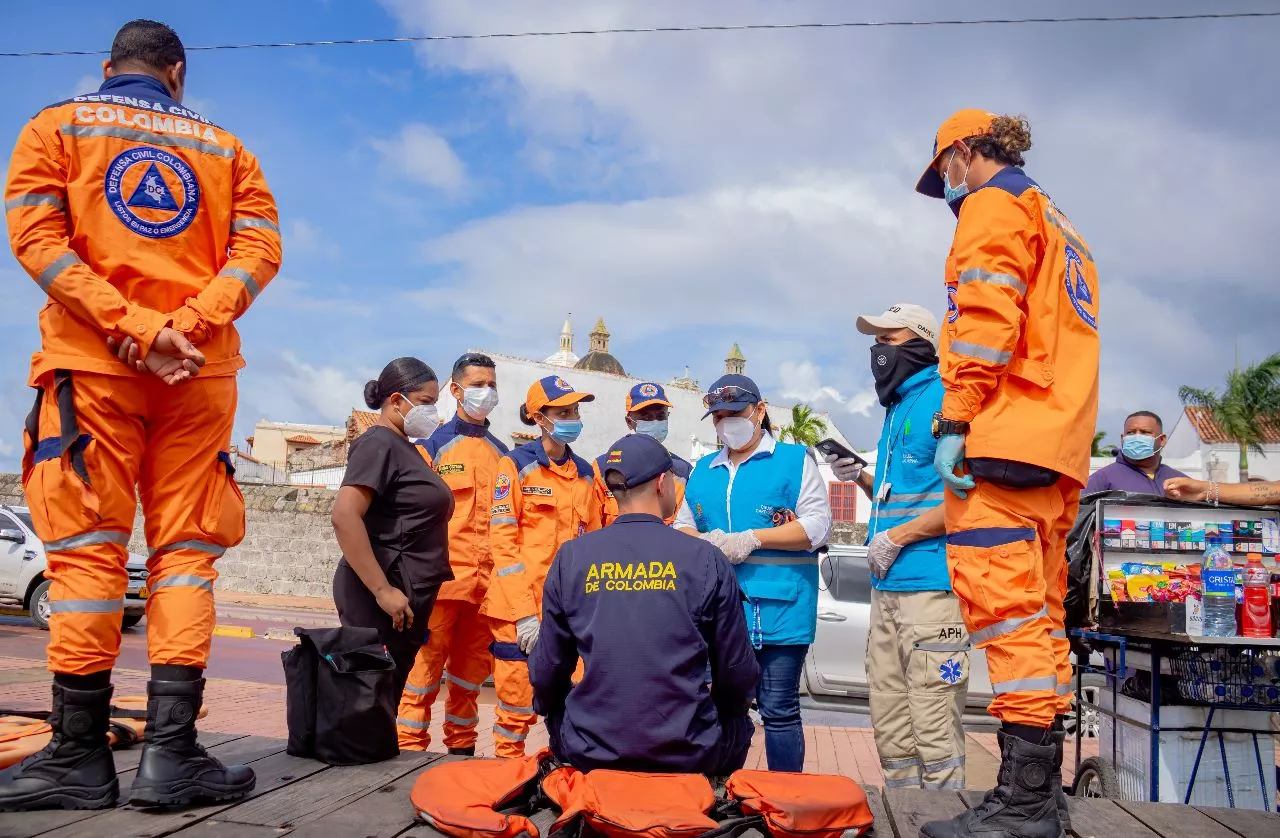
{"points": [[959, 126], [552, 391]]}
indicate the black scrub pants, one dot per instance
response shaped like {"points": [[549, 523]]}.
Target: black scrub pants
{"points": [[357, 606]]}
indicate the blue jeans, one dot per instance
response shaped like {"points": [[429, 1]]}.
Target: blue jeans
{"points": [[778, 696]]}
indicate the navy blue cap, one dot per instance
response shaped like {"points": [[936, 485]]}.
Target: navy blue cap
{"points": [[638, 459], [731, 392]]}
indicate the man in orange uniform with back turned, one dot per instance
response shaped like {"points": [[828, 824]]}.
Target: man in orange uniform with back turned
{"points": [[1019, 364], [151, 230]]}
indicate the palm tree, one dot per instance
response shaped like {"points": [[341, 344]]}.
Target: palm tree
{"points": [[806, 427], [1098, 450], [1250, 400]]}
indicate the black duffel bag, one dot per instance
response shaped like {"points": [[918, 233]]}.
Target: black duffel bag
{"points": [[340, 696]]}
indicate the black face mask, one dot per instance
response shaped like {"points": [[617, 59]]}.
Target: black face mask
{"points": [[893, 364]]}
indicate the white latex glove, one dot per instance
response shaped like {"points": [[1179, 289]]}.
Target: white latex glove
{"points": [[881, 554], [846, 469], [716, 537], [737, 546], [527, 633]]}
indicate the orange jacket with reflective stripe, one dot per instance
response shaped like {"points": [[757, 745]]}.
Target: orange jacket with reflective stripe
{"points": [[1019, 354], [466, 456], [537, 506], [609, 504], [133, 213]]}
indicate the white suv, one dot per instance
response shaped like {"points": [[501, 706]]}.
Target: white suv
{"points": [[22, 568]]}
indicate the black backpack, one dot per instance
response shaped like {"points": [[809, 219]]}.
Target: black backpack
{"points": [[340, 696]]}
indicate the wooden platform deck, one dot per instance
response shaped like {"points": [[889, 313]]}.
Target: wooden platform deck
{"points": [[307, 799]]}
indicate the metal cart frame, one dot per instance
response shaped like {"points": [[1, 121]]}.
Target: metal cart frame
{"points": [[1115, 645]]}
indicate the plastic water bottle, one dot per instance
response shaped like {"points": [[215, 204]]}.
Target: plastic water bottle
{"points": [[1257, 599], [1218, 576]]}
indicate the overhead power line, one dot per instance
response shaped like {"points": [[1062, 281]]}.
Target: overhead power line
{"points": [[740, 27]]}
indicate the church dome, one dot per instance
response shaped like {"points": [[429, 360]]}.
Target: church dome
{"points": [[600, 362]]}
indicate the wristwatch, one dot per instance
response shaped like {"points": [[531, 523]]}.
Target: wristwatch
{"points": [[947, 427]]}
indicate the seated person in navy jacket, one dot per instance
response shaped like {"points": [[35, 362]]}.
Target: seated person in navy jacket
{"points": [[647, 608]]}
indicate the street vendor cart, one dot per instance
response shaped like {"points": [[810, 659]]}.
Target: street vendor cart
{"points": [[1183, 718]]}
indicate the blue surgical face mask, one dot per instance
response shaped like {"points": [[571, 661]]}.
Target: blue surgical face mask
{"points": [[1138, 446], [566, 431], [950, 193], [655, 428]]}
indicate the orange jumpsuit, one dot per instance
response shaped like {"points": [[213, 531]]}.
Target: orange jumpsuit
{"points": [[466, 456], [537, 506], [1019, 360], [133, 214], [609, 504]]}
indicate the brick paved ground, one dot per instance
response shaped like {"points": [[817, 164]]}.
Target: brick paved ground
{"points": [[255, 708]]}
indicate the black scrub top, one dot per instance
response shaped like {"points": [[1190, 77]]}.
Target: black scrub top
{"points": [[408, 520]]}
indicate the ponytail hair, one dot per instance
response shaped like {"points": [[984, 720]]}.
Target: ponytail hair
{"points": [[403, 375], [1004, 143], [767, 424], [525, 417]]}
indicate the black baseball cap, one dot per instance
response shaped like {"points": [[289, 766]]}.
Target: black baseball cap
{"points": [[638, 459], [731, 393]]}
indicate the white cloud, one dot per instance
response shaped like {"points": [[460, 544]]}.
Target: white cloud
{"points": [[802, 381], [422, 155], [282, 387], [302, 238]]}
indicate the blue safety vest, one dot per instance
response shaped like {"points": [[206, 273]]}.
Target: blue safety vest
{"points": [[781, 586], [905, 463]]}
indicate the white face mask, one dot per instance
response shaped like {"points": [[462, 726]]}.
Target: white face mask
{"points": [[421, 421], [736, 432], [478, 402]]}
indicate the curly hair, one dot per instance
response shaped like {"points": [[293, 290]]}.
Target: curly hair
{"points": [[1004, 143]]}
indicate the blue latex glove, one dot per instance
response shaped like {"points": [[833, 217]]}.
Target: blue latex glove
{"points": [[948, 457]]}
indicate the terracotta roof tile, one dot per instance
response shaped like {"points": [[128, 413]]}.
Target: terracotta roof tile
{"points": [[360, 421], [1209, 432], [302, 439]]}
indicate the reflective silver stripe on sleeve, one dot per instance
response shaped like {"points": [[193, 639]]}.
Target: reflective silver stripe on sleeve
{"points": [[410, 688], [49, 274], [250, 284], [895, 764], [509, 734], [525, 471], [466, 685], [179, 582], [199, 546], [85, 540], [150, 137], [503, 519], [977, 350], [412, 723], [1064, 689], [781, 560], [942, 647], [918, 497], [1071, 238], [1026, 685], [1058, 634], [944, 764], [982, 275], [34, 199], [1005, 626], [518, 567], [458, 720], [85, 606], [254, 223], [901, 782]]}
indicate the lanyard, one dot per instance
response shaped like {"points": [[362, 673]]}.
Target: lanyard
{"points": [[894, 436]]}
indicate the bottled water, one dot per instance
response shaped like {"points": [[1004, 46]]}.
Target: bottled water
{"points": [[1218, 575]]}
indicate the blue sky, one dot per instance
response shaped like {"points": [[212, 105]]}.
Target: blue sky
{"points": [[695, 190]]}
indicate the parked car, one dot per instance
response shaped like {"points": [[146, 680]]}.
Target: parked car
{"points": [[836, 668], [22, 571]]}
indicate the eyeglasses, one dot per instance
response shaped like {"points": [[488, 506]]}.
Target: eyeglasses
{"points": [[727, 394]]}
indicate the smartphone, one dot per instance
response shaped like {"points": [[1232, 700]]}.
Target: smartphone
{"points": [[830, 446]]}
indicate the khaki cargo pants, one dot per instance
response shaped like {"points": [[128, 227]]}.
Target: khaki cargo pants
{"points": [[918, 674]]}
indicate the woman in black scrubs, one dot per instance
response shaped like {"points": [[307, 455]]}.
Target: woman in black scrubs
{"points": [[391, 517]]}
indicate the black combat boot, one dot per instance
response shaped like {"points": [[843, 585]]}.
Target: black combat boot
{"points": [[75, 770], [463, 752], [175, 770], [1020, 806], [1059, 734]]}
